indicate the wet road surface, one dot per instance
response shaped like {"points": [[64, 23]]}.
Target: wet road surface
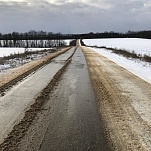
{"points": [[14, 104], [75, 122]]}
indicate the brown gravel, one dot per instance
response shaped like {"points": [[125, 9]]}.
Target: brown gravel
{"points": [[124, 101]]}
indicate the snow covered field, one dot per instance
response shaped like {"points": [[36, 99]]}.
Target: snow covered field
{"points": [[9, 51], [68, 41], [141, 46], [16, 62]]}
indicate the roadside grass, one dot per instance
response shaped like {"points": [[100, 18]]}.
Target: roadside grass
{"points": [[1, 60], [127, 54]]}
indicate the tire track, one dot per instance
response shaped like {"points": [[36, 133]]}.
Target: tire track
{"points": [[14, 81], [19, 130]]}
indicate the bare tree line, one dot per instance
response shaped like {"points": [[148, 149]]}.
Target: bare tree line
{"points": [[31, 39], [48, 39]]}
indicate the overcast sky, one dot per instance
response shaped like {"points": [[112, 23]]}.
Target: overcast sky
{"points": [[75, 16]]}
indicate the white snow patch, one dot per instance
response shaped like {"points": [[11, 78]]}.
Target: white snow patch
{"points": [[137, 67], [68, 41], [9, 51], [138, 45]]}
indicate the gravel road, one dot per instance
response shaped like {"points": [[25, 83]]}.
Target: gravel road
{"points": [[70, 119], [95, 105], [75, 123]]}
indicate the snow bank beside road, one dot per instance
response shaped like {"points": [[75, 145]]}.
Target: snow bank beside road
{"points": [[139, 46], [139, 68]]}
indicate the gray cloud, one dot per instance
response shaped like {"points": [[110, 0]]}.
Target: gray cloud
{"points": [[75, 16]]}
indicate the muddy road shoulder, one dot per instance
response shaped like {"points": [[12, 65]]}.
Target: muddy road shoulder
{"points": [[124, 103]]}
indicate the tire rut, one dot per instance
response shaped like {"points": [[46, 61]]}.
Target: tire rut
{"points": [[5, 87], [19, 130]]}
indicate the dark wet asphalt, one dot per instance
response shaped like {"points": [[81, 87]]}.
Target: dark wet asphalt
{"points": [[75, 124]]}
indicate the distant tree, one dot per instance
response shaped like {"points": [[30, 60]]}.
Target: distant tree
{"points": [[82, 43], [73, 42], [48, 39]]}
